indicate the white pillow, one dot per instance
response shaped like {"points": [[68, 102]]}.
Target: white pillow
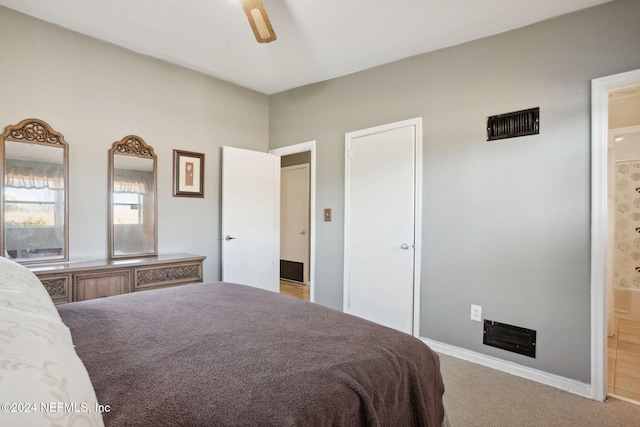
{"points": [[16, 280], [43, 382]]}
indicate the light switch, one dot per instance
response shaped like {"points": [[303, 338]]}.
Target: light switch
{"points": [[327, 214]]}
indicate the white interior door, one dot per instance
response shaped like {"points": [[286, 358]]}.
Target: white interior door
{"points": [[294, 216], [250, 218], [381, 207]]}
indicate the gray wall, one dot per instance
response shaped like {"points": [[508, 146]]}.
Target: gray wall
{"points": [[624, 111], [95, 94], [506, 224], [295, 159]]}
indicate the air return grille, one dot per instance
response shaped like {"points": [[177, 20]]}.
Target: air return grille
{"points": [[511, 338], [511, 125], [292, 270]]}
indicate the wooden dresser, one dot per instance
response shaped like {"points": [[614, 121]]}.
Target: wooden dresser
{"points": [[83, 280]]}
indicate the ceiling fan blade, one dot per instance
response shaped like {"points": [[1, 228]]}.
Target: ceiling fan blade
{"points": [[259, 20]]}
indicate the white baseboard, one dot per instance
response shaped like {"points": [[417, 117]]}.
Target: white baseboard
{"points": [[567, 384]]}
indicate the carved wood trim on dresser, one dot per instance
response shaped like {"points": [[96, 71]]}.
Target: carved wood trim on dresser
{"points": [[58, 287], [82, 280], [153, 276]]}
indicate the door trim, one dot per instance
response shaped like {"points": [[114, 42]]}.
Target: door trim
{"points": [[301, 148], [417, 217], [600, 89]]}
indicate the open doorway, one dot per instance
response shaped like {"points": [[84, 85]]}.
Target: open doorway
{"points": [[294, 218], [297, 245], [601, 169], [623, 255]]}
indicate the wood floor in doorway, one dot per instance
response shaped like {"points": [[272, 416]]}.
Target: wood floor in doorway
{"points": [[296, 290], [624, 360]]}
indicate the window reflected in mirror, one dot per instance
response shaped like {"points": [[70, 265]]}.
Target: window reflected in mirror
{"points": [[34, 202], [133, 199]]}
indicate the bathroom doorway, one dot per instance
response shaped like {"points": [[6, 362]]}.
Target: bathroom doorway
{"points": [[623, 254], [602, 89]]}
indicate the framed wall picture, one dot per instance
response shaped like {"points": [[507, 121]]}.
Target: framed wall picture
{"points": [[188, 174]]}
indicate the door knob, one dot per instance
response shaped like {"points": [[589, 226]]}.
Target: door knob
{"points": [[404, 246], [227, 238], [303, 232]]}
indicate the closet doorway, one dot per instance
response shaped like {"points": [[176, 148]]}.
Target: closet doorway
{"points": [[382, 224]]}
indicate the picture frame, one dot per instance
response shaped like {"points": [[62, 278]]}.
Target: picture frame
{"points": [[188, 174]]}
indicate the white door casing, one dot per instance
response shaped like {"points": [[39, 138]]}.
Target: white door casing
{"points": [[600, 89], [382, 224], [251, 218], [294, 215]]}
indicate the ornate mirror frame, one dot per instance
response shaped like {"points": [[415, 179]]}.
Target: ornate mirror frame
{"points": [[132, 148], [38, 133]]}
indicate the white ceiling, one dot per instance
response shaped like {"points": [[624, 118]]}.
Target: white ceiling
{"points": [[317, 39]]}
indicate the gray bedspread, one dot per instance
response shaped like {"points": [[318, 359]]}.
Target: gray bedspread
{"points": [[219, 354]]}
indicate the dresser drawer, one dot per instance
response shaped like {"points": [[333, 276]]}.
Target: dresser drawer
{"points": [[100, 284], [167, 275]]}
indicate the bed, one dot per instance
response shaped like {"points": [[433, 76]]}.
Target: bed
{"points": [[221, 354]]}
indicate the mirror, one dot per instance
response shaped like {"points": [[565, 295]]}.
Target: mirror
{"points": [[34, 199], [133, 227]]}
